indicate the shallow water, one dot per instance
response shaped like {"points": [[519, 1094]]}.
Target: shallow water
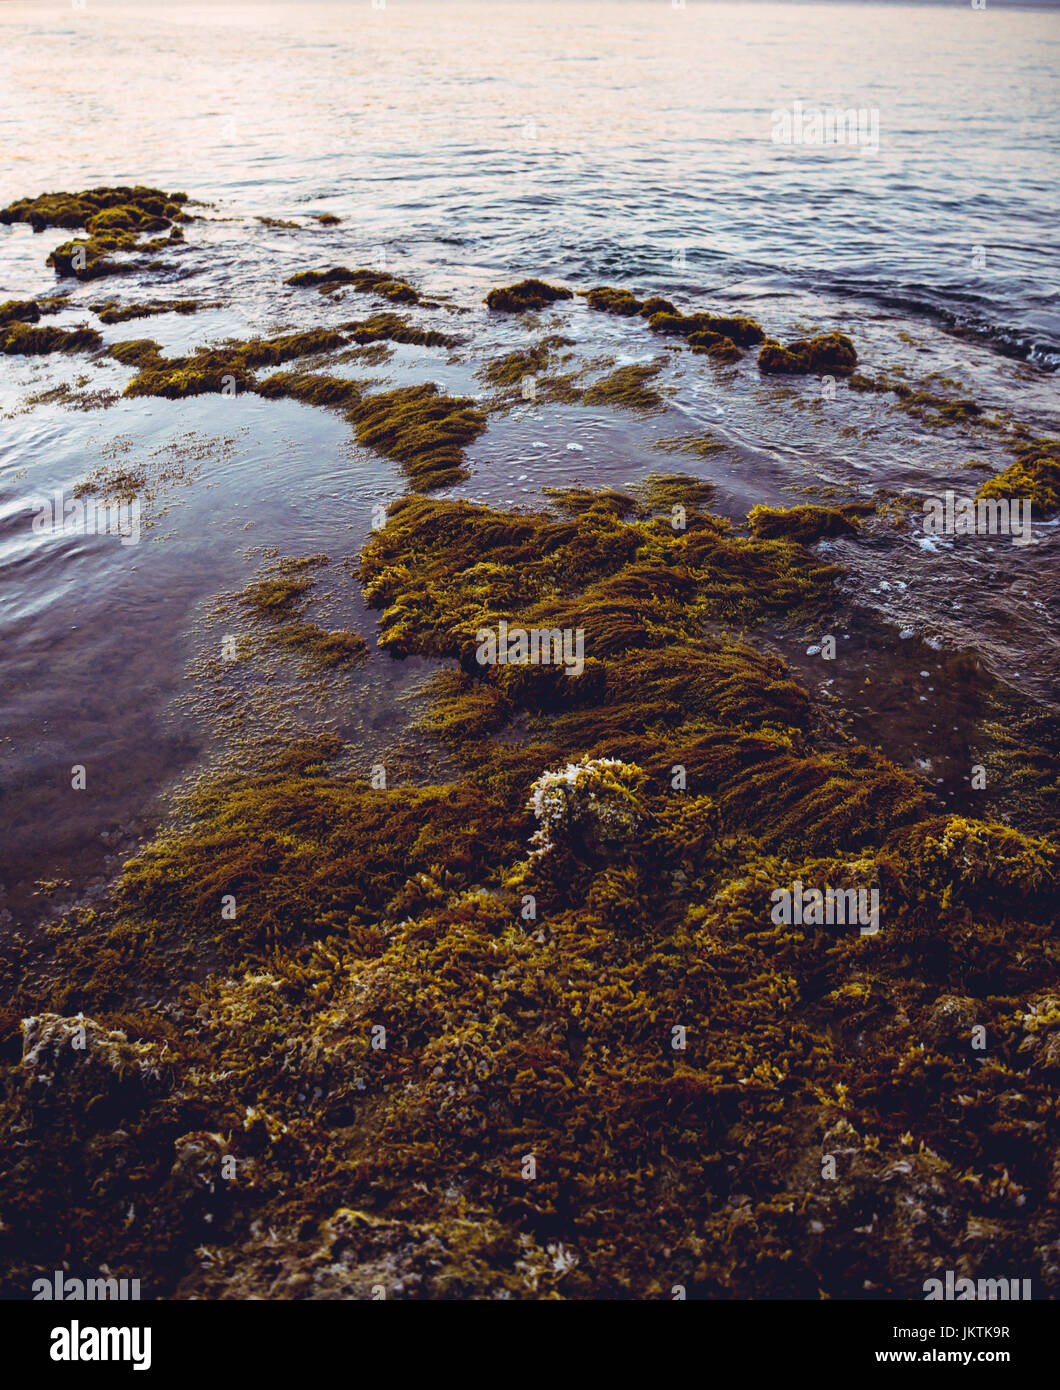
{"points": [[466, 146]]}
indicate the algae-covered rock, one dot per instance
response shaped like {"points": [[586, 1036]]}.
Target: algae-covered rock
{"points": [[18, 311], [80, 209], [20, 339], [952, 859], [592, 805], [365, 281], [527, 294], [75, 1064], [1035, 475], [623, 303], [830, 352], [742, 331], [804, 524]]}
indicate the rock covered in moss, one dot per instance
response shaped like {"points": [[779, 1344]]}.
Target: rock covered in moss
{"points": [[18, 311], [952, 859], [23, 340], [118, 207], [527, 294], [740, 329], [827, 353], [76, 1064], [1035, 475], [365, 281], [804, 524], [592, 805]]}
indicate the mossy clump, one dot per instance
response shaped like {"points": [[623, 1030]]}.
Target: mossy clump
{"points": [[716, 345], [115, 219], [827, 353], [21, 339], [627, 388], [527, 294], [572, 949], [103, 209], [954, 861], [740, 329], [326, 219], [216, 369], [279, 598], [395, 329], [607, 300], [19, 311], [803, 524], [1035, 475], [311, 388], [365, 281], [422, 429], [110, 311], [625, 304]]}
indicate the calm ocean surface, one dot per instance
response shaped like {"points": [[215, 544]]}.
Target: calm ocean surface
{"points": [[465, 146]]}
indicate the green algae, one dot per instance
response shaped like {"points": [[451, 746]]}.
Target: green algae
{"points": [[279, 599], [527, 294], [110, 311], [805, 524], [741, 330], [122, 205], [115, 219], [22, 339], [422, 429], [417, 426], [715, 345], [627, 388], [829, 352], [216, 369], [365, 281], [1034, 475], [676, 1063], [19, 311], [925, 405], [395, 329], [607, 300], [703, 445]]}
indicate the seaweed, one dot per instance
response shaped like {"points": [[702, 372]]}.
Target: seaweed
{"points": [[611, 301], [829, 352], [378, 282], [395, 329], [627, 387], [422, 429], [279, 598], [110, 311], [19, 311], [1034, 475], [137, 205], [213, 369], [804, 524], [742, 331], [554, 984], [527, 294], [19, 338]]}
